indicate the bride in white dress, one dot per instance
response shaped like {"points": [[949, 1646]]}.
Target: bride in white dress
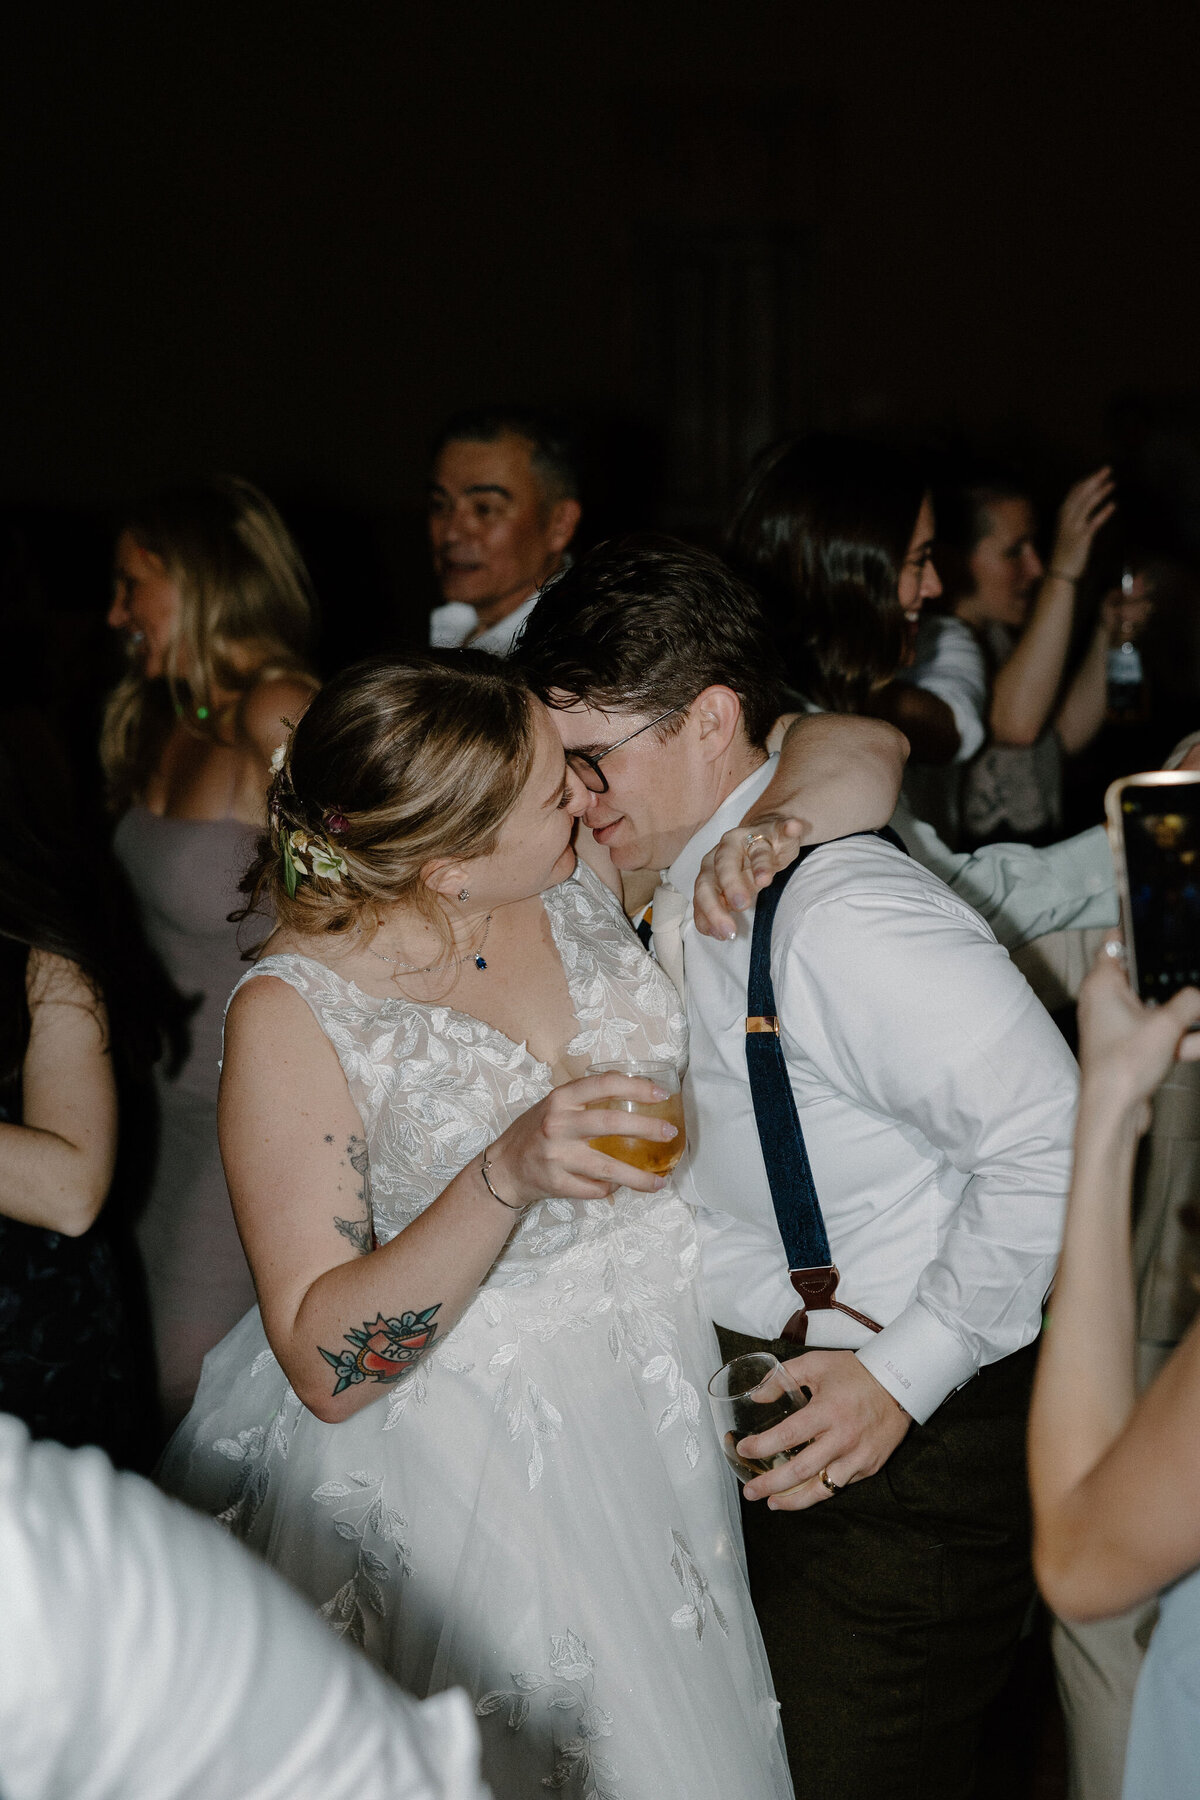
{"points": [[470, 1421]]}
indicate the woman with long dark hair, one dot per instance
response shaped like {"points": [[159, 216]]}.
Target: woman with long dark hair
{"points": [[213, 602], [838, 537]]}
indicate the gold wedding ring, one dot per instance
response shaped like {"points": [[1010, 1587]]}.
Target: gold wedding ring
{"points": [[755, 837], [823, 1478]]}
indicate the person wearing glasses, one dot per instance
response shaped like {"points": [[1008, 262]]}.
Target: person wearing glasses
{"points": [[889, 1553], [465, 1417]]}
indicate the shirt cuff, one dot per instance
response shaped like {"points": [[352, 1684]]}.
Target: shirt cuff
{"points": [[918, 1361]]}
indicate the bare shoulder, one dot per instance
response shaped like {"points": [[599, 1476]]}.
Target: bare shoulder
{"points": [[271, 708], [274, 1043], [268, 1010]]}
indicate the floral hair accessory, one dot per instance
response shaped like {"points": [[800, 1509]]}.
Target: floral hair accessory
{"points": [[295, 846], [336, 824]]}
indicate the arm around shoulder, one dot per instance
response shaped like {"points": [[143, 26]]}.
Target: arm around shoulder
{"points": [[838, 772]]}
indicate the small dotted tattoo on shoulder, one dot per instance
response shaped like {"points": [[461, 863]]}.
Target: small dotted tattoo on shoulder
{"points": [[329, 1137]]}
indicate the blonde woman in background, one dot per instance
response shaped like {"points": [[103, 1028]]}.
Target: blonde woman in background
{"points": [[213, 600]]}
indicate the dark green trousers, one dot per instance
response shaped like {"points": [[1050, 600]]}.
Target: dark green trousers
{"points": [[892, 1611]]}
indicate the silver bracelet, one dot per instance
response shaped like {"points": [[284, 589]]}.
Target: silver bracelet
{"points": [[483, 1170]]}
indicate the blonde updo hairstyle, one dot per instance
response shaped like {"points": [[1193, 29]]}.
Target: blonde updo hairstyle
{"points": [[246, 614], [396, 763]]}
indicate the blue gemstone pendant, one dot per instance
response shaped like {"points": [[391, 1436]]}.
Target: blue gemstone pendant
{"points": [[479, 962]]}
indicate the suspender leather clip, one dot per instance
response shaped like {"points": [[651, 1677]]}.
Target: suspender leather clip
{"points": [[763, 1023], [817, 1289]]}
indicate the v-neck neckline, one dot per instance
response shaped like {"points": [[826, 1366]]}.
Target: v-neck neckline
{"points": [[481, 1025]]}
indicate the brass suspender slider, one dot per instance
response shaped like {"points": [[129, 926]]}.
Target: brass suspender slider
{"points": [[769, 1023]]}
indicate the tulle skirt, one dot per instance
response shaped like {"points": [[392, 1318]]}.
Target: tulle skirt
{"points": [[538, 1513]]}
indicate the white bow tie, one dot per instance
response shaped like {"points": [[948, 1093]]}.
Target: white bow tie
{"points": [[670, 910]]}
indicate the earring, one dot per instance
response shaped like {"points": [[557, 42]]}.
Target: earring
{"points": [[463, 894]]}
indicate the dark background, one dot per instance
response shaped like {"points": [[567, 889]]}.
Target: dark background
{"points": [[286, 240]]}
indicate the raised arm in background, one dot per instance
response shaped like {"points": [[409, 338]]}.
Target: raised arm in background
{"points": [[1028, 683], [1114, 1479]]}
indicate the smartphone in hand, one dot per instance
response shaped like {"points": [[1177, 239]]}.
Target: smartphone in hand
{"points": [[1154, 831]]}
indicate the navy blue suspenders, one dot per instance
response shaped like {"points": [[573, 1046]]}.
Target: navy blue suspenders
{"points": [[789, 1174]]}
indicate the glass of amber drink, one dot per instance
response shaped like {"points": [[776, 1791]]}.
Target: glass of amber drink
{"points": [[653, 1155]]}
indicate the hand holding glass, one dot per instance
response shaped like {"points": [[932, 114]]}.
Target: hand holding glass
{"points": [[749, 1395], [654, 1155]]}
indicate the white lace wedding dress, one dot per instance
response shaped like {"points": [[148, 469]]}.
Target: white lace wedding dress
{"points": [[539, 1511]]}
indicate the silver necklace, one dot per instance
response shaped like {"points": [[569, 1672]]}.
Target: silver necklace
{"points": [[476, 956]]}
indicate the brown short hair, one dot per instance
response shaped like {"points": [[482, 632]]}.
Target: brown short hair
{"points": [[647, 624], [410, 758]]}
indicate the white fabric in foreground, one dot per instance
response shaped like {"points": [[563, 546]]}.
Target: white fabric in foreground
{"points": [[145, 1656]]}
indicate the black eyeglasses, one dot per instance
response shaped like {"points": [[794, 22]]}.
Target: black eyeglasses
{"points": [[588, 767]]}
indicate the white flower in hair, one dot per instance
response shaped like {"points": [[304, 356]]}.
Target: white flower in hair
{"points": [[298, 845], [277, 758], [327, 862]]}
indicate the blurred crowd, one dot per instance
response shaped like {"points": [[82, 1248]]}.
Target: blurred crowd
{"points": [[1029, 653]]}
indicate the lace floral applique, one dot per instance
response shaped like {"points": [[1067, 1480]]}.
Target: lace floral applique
{"points": [[253, 1449], [412, 1389], [603, 959], [568, 1688], [529, 1410], [646, 1335], [693, 1615], [369, 1511]]}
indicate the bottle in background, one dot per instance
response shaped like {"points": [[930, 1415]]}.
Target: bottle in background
{"points": [[1126, 677]]}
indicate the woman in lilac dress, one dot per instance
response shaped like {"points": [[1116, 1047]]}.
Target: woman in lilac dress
{"points": [[213, 601]]}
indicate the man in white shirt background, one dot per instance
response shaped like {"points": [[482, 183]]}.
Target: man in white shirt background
{"points": [[936, 1099], [503, 507], [147, 1656]]}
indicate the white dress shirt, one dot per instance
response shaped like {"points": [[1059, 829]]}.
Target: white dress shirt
{"points": [[949, 663], [147, 1656], [936, 1100], [1023, 892], [451, 625]]}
